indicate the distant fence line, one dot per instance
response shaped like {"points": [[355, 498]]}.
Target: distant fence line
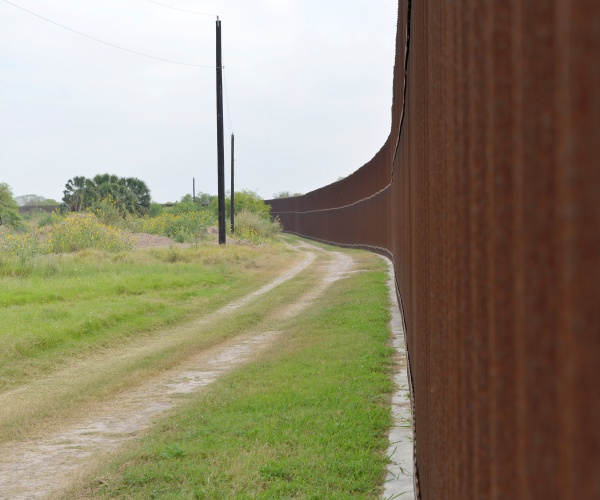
{"points": [[486, 196], [29, 209]]}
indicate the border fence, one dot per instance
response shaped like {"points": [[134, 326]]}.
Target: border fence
{"points": [[486, 196]]}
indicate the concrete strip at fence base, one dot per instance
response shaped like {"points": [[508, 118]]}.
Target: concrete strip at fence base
{"points": [[399, 480]]}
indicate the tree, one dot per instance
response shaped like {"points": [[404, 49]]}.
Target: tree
{"points": [[246, 200], [185, 205], [129, 194], [9, 210], [75, 193], [286, 194], [203, 199], [34, 200], [139, 201]]}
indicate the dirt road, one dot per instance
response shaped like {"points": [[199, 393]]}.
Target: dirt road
{"points": [[41, 465]]}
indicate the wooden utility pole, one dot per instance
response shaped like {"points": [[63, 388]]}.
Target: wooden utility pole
{"points": [[194, 189], [232, 184], [220, 139]]}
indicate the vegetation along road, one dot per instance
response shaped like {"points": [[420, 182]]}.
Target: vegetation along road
{"points": [[201, 372]]}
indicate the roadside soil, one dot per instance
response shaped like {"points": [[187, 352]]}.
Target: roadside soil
{"points": [[41, 465]]}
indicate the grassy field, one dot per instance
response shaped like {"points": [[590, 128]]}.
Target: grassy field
{"points": [[70, 305], [309, 419]]}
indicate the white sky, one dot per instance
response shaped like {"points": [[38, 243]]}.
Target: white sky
{"points": [[309, 85]]}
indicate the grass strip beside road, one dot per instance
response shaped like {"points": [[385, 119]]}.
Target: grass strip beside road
{"points": [[308, 419], [64, 307], [121, 355]]}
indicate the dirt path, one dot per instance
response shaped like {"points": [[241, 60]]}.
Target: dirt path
{"points": [[40, 467]]}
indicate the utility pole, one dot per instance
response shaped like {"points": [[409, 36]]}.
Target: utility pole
{"points": [[220, 139], [194, 189], [232, 184]]}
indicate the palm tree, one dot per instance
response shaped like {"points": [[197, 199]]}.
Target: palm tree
{"points": [[140, 194], [130, 194], [78, 191]]}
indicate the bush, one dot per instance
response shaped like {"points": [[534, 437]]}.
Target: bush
{"points": [[183, 207], [252, 227], [155, 209], [64, 234], [9, 210], [182, 227], [21, 245], [44, 220], [107, 212], [81, 231], [244, 201]]}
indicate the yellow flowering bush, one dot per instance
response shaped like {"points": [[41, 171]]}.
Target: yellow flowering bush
{"points": [[81, 231], [21, 245], [99, 228]]}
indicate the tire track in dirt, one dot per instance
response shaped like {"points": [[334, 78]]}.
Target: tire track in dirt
{"points": [[18, 404], [41, 467]]}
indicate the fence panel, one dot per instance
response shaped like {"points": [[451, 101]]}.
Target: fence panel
{"points": [[486, 195]]}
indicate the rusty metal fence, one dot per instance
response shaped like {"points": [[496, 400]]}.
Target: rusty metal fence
{"points": [[486, 195]]}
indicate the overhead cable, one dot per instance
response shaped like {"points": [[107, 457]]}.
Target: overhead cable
{"points": [[104, 42]]}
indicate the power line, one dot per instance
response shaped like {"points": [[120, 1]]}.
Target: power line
{"points": [[105, 43], [183, 10]]}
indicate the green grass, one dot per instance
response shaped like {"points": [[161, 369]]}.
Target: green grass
{"points": [[309, 419], [56, 307]]}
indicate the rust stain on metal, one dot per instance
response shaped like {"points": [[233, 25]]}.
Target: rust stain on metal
{"points": [[486, 196]]}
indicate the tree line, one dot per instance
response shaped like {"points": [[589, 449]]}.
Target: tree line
{"points": [[129, 195]]}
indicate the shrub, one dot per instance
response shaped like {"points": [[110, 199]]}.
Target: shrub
{"points": [[9, 210], [21, 245], [155, 209], [63, 234], [244, 201], [252, 227], [107, 212], [182, 227], [80, 231], [44, 220]]}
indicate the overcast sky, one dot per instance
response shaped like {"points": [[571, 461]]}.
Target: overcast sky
{"points": [[309, 86]]}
